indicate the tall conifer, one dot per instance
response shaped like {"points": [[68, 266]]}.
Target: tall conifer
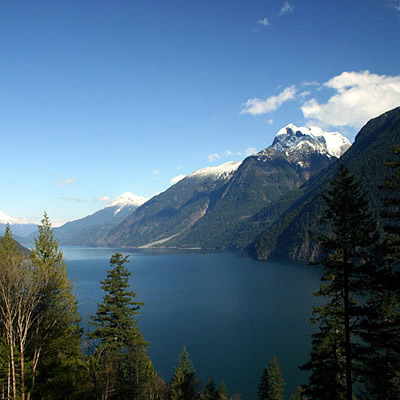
{"points": [[121, 352], [271, 385], [347, 250], [381, 325]]}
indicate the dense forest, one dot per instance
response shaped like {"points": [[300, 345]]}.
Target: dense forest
{"points": [[355, 345]]}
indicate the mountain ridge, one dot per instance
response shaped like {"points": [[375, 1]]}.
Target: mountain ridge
{"points": [[193, 214]]}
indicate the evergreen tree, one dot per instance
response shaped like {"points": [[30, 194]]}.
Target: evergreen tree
{"points": [[298, 394], [347, 252], [222, 392], [38, 313], [55, 346], [381, 326], [210, 391], [120, 360], [271, 385], [184, 382]]}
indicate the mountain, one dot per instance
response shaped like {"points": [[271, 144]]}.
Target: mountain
{"points": [[289, 236], [173, 211], [19, 226], [207, 208], [89, 230]]}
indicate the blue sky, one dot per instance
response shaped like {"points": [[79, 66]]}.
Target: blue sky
{"points": [[102, 97]]}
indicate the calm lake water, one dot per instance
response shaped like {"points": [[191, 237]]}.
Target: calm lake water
{"points": [[232, 313]]}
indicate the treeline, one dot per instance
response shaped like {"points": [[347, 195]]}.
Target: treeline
{"points": [[355, 345], [43, 354]]}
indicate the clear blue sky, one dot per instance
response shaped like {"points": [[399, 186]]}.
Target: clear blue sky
{"points": [[102, 97]]}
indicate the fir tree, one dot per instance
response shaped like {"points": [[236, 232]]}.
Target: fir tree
{"points": [[347, 252], [222, 392], [210, 391], [381, 325], [121, 351], [184, 382], [298, 394], [56, 345], [271, 385]]}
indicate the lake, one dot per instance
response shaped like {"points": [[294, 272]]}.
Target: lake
{"points": [[232, 313]]}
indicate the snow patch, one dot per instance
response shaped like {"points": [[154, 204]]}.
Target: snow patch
{"points": [[126, 200], [292, 137], [221, 171]]}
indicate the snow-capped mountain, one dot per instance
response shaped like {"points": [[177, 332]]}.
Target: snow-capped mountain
{"points": [[204, 208], [19, 226], [88, 230], [292, 138], [219, 172], [126, 200], [5, 219]]}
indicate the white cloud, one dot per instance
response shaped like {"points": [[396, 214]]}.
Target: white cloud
{"points": [[176, 179], [359, 96], [263, 22], [305, 93], [270, 121], [311, 83], [63, 183], [395, 4], [258, 106], [213, 157], [286, 8], [156, 172], [104, 199], [73, 199]]}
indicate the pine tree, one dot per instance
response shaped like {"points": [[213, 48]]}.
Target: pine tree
{"points": [[222, 392], [184, 382], [210, 391], [55, 346], [381, 326], [298, 394], [121, 349], [347, 252], [271, 385]]}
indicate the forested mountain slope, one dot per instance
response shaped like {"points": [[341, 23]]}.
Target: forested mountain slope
{"points": [[207, 208], [290, 236]]}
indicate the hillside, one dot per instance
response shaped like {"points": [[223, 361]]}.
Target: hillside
{"points": [[208, 208], [289, 236]]}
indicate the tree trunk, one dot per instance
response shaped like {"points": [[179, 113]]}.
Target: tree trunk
{"points": [[347, 344]]}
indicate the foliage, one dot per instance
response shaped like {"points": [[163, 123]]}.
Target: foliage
{"points": [[287, 236], [56, 344], [347, 249], [271, 385], [381, 325], [119, 366], [298, 394], [184, 383], [38, 316], [210, 392]]}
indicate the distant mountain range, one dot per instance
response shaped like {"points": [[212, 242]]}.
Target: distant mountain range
{"points": [[266, 204], [20, 226], [87, 231]]}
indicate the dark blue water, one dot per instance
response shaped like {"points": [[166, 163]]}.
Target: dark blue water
{"points": [[232, 313]]}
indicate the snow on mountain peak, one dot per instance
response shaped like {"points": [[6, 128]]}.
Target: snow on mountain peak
{"points": [[221, 171], [292, 137], [5, 219], [126, 200]]}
